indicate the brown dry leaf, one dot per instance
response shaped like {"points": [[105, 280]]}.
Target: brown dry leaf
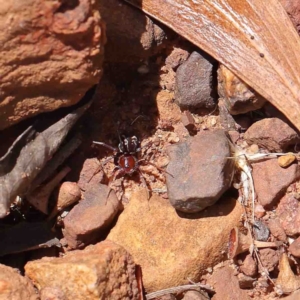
{"points": [[255, 39], [33, 157]]}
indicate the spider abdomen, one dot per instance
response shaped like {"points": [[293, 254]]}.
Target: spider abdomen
{"points": [[128, 163]]}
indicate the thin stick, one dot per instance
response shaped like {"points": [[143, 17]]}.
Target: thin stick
{"points": [[179, 289], [107, 146]]}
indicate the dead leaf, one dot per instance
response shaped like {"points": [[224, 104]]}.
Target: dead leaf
{"points": [[33, 157]]}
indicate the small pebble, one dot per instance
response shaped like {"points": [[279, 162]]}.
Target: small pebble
{"points": [[253, 149], [261, 231], [286, 160], [259, 211]]}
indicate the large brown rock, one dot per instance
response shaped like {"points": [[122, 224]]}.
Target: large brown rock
{"points": [[101, 271], [50, 55], [173, 247], [271, 181], [199, 171], [13, 286]]}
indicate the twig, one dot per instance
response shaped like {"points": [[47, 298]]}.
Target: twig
{"points": [[179, 289]]}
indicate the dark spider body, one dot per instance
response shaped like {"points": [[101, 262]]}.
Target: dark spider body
{"points": [[126, 159]]}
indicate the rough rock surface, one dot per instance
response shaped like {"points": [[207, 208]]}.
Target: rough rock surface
{"points": [[226, 285], [271, 181], [13, 286], [194, 83], [238, 97], [288, 212], [101, 271], [249, 266], [272, 134], [200, 171], [269, 258], [294, 248], [131, 35], [276, 229], [51, 54], [169, 246], [87, 220]]}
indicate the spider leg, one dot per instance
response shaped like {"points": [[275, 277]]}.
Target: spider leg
{"points": [[106, 146], [154, 165], [116, 172], [142, 177]]}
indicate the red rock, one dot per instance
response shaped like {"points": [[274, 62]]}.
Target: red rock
{"points": [[276, 229], [272, 134], [151, 231], [245, 282], [238, 96], [193, 87], [271, 181], [134, 38], [101, 271], [288, 212], [294, 248], [13, 286], [90, 173], [269, 258], [50, 56], [202, 171], [226, 285], [177, 57], [188, 120], [88, 219], [249, 266]]}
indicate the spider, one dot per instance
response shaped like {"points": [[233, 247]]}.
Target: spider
{"points": [[126, 159]]}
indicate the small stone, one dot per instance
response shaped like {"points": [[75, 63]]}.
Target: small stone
{"points": [[226, 119], [101, 271], [245, 282], [200, 171], [286, 160], [226, 285], [194, 83], [294, 248], [188, 120], [288, 212], [271, 181], [13, 286], [269, 258], [155, 226], [195, 295], [238, 96], [87, 220], [260, 231], [277, 230], [177, 57], [249, 266], [143, 69], [234, 136], [68, 194], [90, 173], [259, 211], [272, 134]]}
